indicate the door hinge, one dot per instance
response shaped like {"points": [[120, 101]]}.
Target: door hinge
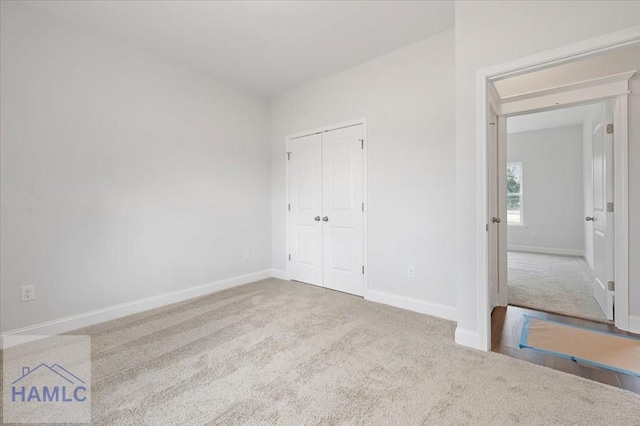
{"points": [[288, 206], [610, 128], [611, 285], [487, 227], [289, 257], [288, 156], [362, 206], [610, 207], [362, 143], [362, 269]]}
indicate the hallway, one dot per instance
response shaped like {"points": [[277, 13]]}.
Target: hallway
{"points": [[553, 283]]}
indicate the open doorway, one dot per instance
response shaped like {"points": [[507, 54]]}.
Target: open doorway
{"points": [[558, 171], [558, 165], [557, 214]]}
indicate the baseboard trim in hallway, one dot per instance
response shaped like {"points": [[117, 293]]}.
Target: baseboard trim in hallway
{"points": [[547, 250], [74, 322]]}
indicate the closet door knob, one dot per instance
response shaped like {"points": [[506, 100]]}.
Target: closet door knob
{"points": [[325, 219], [317, 218], [589, 219]]}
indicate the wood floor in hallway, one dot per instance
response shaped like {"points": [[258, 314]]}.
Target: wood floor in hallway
{"points": [[506, 328]]}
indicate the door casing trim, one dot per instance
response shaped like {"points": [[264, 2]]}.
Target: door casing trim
{"points": [[546, 59]]}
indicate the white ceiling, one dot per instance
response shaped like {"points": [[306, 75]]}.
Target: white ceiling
{"points": [[267, 46], [554, 118]]}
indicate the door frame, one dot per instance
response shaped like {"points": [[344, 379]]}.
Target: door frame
{"points": [[365, 193], [593, 95], [549, 58]]}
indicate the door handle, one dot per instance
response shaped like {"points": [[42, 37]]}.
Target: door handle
{"points": [[590, 219], [496, 220], [317, 218], [325, 219]]}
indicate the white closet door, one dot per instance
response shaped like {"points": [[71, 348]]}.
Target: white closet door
{"points": [[305, 198], [343, 224]]}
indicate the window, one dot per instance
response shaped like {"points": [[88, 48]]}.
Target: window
{"points": [[514, 194]]}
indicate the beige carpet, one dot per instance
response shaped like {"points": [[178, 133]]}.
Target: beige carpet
{"points": [[551, 283], [276, 352]]}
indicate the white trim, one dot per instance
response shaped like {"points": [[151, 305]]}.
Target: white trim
{"points": [[322, 129], [494, 99], [415, 305], [365, 191], [468, 338], [621, 212], [568, 53], [546, 250], [589, 262], [634, 324], [74, 322], [280, 274], [569, 97], [624, 76], [541, 60], [503, 288]]}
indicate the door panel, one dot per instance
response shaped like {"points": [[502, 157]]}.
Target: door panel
{"points": [[493, 209], [603, 232], [342, 254], [305, 199], [343, 224]]}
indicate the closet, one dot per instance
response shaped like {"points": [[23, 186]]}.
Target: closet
{"points": [[326, 209]]}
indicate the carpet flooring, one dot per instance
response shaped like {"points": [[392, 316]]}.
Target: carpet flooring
{"points": [[552, 283], [277, 352]]}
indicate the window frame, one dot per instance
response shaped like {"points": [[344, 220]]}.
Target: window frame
{"points": [[520, 194]]}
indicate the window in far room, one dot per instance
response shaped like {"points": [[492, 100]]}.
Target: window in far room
{"points": [[514, 194]]}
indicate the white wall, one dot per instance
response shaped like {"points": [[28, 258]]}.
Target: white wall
{"points": [[123, 176], [407, 99], [492, 32], [553, 190]]}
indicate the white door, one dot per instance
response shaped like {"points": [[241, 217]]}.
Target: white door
{"points": [[342, 211], [603, 232], [305, 205], [493, 210]]}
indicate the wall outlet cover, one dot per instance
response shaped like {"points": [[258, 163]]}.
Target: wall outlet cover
{"points": [[28, 292], [411, 271]]}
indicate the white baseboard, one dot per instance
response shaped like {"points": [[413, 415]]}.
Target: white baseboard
{"points": [[589, 262], [470, 339], [75, 322], [546, 250], [634, 324], [281, 274], [420, 306]]}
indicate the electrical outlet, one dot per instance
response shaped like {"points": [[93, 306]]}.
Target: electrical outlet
{"points": [[247, 254], [411, 272], [28, 293]]}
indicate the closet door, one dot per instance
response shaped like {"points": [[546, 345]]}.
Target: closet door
{"points": [[342, 210], [305, 199]]}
